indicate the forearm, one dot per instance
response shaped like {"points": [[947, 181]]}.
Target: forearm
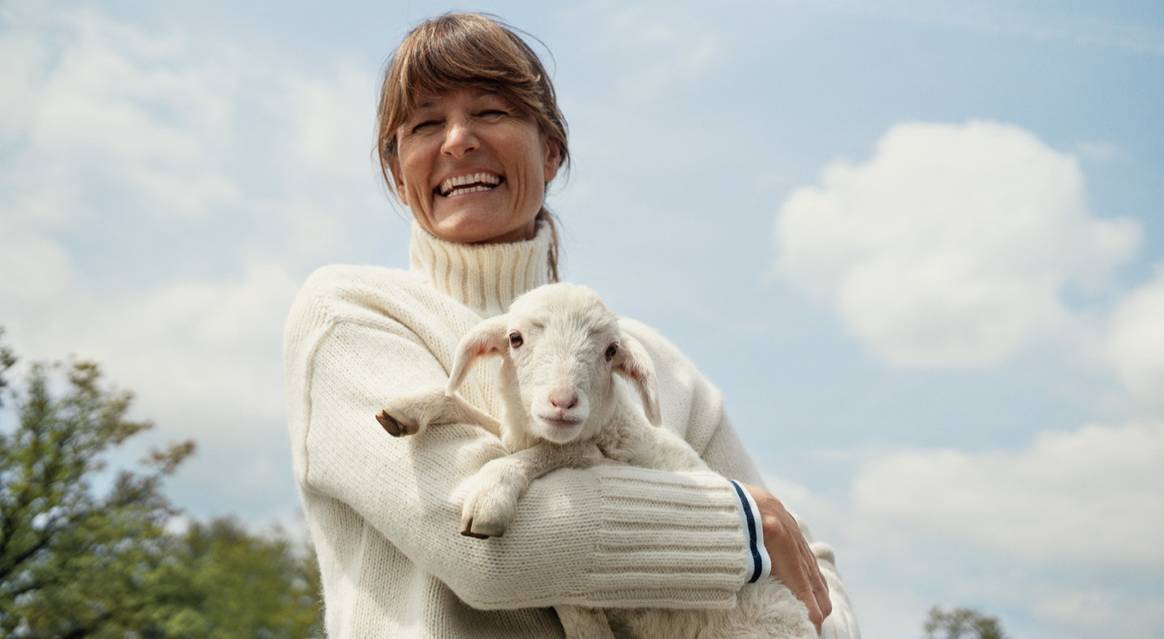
{"points": [[589, 537], [725, 451], [535, 461], [694, 408]]}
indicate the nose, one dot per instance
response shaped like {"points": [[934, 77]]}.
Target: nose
{"points": [[460, 138], [563, 397]]}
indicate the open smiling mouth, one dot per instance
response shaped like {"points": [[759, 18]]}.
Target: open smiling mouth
{"points": [[465, 184]]}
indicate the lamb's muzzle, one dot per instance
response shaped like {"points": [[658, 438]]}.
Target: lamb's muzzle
{"points": [[561, 348]]}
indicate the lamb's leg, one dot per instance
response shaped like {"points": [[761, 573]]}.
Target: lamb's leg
{"points": [[411, 414], [661, 449], [584, 623], [491, 498]]}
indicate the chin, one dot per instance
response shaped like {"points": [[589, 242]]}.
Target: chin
{"points": [[470, 227], [558, 434]]}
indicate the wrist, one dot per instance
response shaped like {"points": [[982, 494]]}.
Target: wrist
{"points": [[760, 562]]}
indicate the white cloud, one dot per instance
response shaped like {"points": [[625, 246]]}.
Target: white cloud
{"points": [[204, 361], [1091, 497], [44, 268], [124, 138], [119, 126], [1135, 341], [1100, 613], [952, 245], [1060, 531], [117, 122], [1083, 29], [105, 112], [322, 110], [652, 49]]}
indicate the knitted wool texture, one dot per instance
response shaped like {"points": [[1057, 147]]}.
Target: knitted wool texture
{"points": [[384, 513]]}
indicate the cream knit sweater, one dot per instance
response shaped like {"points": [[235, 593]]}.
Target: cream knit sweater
{"points": [[384, 514]]}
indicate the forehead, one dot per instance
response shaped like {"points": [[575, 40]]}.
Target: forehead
{"points": [[593, 321], [431, 99], [568, 309]]}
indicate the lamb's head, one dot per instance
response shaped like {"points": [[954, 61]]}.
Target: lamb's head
{"points": [[561, 348]]}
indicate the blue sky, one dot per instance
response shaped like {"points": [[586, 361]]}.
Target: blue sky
{"points": [[920, 248]]}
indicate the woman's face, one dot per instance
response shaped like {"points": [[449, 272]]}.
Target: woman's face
{"points": [[472, 168]]}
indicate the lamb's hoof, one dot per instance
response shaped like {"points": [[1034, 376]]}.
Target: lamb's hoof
{"points": [[396, 426], [481, 532]]}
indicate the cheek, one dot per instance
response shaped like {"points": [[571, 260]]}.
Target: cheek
{"points": [[415, 194], [602, 384], [414, 172], [526, 379], [529, 172], [409, 170]]}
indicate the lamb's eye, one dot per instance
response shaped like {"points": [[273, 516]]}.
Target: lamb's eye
{"points": [[611, 351], [515, 339]]}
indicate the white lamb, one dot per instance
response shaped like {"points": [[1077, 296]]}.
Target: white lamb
{"points": [[560, 349]]}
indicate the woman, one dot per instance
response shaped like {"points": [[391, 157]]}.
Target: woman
{"points": [[470, 135]]}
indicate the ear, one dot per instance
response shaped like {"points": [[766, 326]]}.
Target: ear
{"points": [[486, 338], [553, 155], [394, 169], [633, 362]]}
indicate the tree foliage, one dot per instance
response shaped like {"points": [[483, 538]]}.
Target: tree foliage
{"points": [[961, 623], [243, 586], [78, 562], [7, 361]]}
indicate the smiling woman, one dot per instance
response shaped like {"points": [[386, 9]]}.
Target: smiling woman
{"points": [[470, 136], [461, 90], [473, 167]]}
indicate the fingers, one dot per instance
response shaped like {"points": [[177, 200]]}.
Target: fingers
{"points": [[821, 606], [820, 587], [809, 585], [793, 562], [798, 579]]}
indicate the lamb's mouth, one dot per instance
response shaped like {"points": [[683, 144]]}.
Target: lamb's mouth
{"points": [[565, 422], [465, 184]]}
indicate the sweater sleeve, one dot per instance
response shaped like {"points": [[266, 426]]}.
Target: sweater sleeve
{"points": [[698, 407], [608, 536]]}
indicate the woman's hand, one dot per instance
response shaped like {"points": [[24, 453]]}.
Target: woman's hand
{"points": [[792, 561]]}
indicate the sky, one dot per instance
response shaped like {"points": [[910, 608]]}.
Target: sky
{"points": [[919, 246]]}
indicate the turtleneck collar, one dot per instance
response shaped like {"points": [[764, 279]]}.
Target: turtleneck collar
{"points": [[484, 277]]}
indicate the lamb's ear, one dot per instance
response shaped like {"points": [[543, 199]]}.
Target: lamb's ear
{"points": [[633, 362], [486, 338]]}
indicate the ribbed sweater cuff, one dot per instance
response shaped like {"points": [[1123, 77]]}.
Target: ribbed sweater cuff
{"points": [[668, 540], [750, 512]]}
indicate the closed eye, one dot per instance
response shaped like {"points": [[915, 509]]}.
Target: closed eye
{"points": [[492, 114], [426, 124]]}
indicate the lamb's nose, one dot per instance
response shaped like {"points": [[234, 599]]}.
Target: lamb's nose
{"points": [[564, 398]]}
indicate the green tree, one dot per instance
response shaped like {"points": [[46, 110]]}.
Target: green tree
{"points": [[7, 361], [76, 563], [961, 623], [244, 586]]}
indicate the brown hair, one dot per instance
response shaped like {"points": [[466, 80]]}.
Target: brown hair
{"points": [[458, 50]]}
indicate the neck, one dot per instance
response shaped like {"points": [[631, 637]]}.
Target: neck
{"points": [[484, 277], [522, 234]]}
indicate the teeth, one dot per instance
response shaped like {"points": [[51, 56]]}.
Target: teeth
{"points": [[472, 189], [483, 178]]}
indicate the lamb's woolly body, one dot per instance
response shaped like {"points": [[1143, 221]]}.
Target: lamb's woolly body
{"points": [[569, 328]]}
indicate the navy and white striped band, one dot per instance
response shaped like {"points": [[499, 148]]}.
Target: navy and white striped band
{"points": [[761, 562]]}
